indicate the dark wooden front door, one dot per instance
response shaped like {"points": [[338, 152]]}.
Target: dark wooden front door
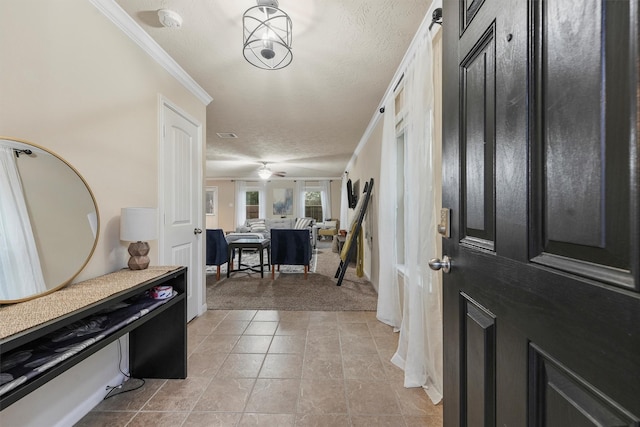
{"points": [[540, 171]]}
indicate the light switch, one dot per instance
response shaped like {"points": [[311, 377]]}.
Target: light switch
{"points": [[445, 219]]}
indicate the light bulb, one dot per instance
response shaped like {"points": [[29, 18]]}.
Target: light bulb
{"points": [[267, 42]]}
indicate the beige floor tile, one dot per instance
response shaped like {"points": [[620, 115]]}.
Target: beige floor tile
{"points": [[378, 328], [329, 344], [292, 327], [322, 328], [387, 343], [193, 341], [204, 364], [274, 396], [414, 401], [241, 366], [377, 421], [217, 315], [212, 419], [359, 329], [158, 419], [217, 344], [252, 344], [288, 344], [231, 327], [323, 316], [320, 396], [105, 419], [177, 395], [423, 421], [202, 325], [351, 344], [261, 328], [392, 372], [302, 317], [371, 398], [225, 395], [267, 316], [353, 316], [363, 366], [315, 420], [132, 400], [241, 314], [267, 420], [322, 365], [281, 366]]}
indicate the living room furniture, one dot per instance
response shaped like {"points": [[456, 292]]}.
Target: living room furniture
{"points": [[256, 244], [217, 249], [157, 340], [329, 228], [262, 227], [290, 247]]}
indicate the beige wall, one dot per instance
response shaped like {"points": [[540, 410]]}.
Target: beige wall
{"points": [[74, 83], [227, 195], [366, 165]]}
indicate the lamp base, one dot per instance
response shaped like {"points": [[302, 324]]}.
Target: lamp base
{"points": [[139, 259]]}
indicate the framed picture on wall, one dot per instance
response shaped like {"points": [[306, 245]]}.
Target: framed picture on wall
{"points": [[283, 201], [211, 201]]}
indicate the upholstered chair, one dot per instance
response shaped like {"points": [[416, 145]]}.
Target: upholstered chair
{"points": [[329, 227], [290, 247], [217, 249]]}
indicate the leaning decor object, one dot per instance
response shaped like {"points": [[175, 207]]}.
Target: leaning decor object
{"points": [[267, 36], [137, 225]]}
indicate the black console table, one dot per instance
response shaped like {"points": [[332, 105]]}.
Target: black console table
{"points": [[157, 340]]}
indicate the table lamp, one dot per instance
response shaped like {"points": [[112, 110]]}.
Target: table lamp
{"points": [[137, 225]]}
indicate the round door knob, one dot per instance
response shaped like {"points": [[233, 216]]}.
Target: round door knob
{"points": [[197, 231], [444, 265]]}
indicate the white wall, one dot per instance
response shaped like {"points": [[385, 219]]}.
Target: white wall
{"points": [[74, 83]]}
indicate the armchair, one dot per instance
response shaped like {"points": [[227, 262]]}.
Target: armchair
{"points": [[217, 249], [329, 227], [290, 247]]}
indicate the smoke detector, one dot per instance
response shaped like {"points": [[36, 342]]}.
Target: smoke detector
{"points": [[169, 18]]}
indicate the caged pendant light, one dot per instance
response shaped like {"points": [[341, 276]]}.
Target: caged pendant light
{"points": [[267, 36]]}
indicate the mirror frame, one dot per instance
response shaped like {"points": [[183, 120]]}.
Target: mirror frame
{"points": [[97, 236]]}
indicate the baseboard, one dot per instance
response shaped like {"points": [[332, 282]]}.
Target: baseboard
{"points": [[84, 407]]}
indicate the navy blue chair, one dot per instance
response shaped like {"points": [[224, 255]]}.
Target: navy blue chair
{"points": [[290, 247], [217, 249]]}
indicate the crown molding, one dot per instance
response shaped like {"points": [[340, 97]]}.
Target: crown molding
{"points": [[127, 25], [422, 32]]}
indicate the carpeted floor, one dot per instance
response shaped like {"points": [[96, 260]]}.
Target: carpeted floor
{"points": [[290, 291]]}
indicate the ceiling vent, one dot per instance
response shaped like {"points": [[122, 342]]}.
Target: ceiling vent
{"points": [[226, 135]]}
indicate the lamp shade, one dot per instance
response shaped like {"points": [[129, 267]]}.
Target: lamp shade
{"points": [[138, 224]]}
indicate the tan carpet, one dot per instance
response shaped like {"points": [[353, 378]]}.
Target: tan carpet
{"points": [[290, 291]]}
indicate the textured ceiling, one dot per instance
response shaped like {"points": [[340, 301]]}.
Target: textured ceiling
{"points": [[308, 118]]}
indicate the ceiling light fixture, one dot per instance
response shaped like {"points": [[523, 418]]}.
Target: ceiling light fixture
{"points": [[264, 172], [169, 18], [267, 36]]}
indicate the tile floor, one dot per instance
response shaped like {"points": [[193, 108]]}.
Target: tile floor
{"points": [[270, 368]]}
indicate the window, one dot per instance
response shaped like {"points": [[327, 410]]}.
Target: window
{"points": [[253, 204], [313, 205]]}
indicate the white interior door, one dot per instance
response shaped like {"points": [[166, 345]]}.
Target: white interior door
{"points": [[181, 201]]}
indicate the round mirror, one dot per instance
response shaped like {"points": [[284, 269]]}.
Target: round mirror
{"points": [[48, 221]]}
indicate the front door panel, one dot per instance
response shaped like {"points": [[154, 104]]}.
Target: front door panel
{"points": [[540, 170]]}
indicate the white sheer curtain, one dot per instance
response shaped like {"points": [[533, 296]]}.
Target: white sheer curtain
{"points": [[262, 200], [20, 271], [344, 202], [241, 203], [420, 344], [388, 293], [325, 199], [298, 211]]}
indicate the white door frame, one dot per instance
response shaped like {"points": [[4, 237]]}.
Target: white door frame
{"points": [[198, 274]]}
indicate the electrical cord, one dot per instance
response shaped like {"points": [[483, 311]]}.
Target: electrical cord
{"points": [[118, 389]]}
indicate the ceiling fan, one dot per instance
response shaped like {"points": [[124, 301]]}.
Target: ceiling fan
{"points": [[265, 173]]}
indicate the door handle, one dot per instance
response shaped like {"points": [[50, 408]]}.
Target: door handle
{"points": [[197, 231], [444, 265]]}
